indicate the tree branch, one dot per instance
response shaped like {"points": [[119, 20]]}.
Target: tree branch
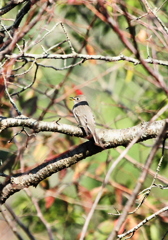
{"points": [[121, 57], [113, 139]]}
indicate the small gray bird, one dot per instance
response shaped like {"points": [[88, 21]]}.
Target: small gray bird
{"points": [[84, 116]]}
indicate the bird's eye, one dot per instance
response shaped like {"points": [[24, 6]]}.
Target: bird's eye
{"points": [[77, 99]]}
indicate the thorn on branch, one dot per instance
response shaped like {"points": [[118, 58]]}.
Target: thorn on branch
{"points": [[16, 135], [29, 136], [57, 122]]}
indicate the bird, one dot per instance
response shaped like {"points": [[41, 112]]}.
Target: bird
{"points": [[84, 117]]}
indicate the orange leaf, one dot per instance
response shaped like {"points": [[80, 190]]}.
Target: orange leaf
{"points": [[90, 51], [49, 201]]}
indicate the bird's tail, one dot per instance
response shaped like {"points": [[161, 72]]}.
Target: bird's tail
{"points": [[97, 140]]}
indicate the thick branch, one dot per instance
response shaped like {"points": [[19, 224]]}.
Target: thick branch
{"points": [[46, 169], [113, 139]]}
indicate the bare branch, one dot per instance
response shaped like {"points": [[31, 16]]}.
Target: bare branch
{"points": [[65, 160], [10, 99], [85, 57], [19, 222], [139, 225], [112, 138], [149, 9]]}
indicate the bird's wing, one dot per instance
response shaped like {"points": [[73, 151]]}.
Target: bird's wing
{"points": [[84, 116], [81, 117]]}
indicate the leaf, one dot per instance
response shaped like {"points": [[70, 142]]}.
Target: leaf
{"points": [[85, 197], [2, 86]]}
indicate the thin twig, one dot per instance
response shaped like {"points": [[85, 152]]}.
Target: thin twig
{"points": [[31, 84], [19, 222], [149, 9], [11, 224], [85, 57], [66, 34], [133, 230], [40, 214], [10, 99]]}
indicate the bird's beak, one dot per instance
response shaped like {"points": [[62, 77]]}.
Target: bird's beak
{"points": [[71, 98]]}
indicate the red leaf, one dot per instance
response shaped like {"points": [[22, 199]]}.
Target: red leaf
{"points": [[2, 86], [49, 201]]}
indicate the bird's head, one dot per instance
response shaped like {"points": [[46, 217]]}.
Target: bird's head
{"points": [[79, 98]]}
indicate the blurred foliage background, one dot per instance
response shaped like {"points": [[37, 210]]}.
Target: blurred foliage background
{"points": [[120, 94]]}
